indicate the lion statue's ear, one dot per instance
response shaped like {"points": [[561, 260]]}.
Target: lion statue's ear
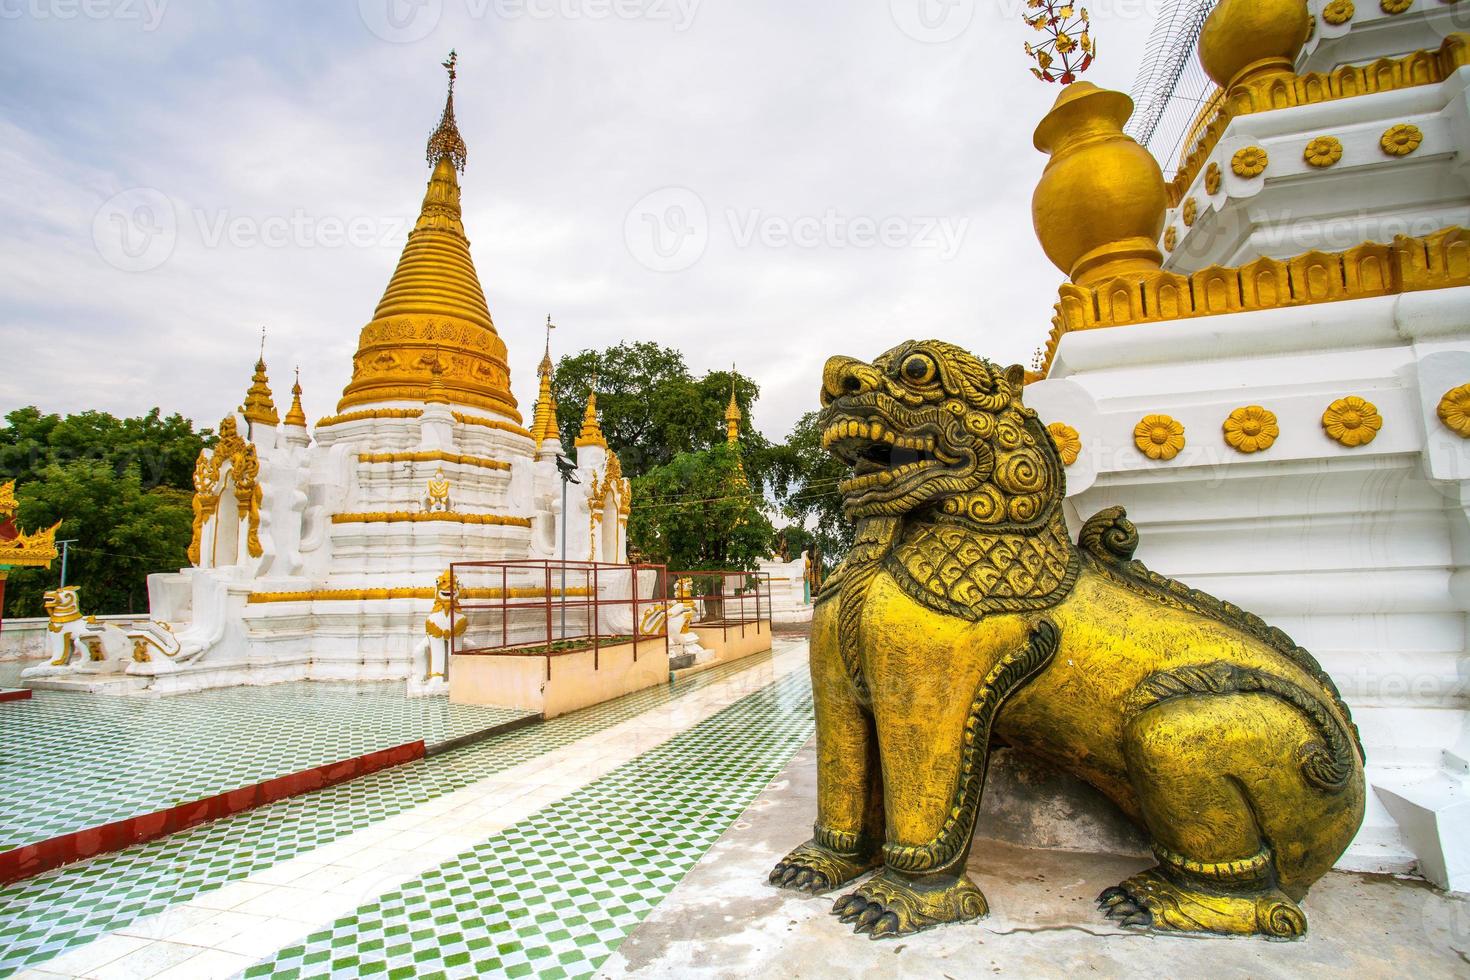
{"points": [[1016, 378]]}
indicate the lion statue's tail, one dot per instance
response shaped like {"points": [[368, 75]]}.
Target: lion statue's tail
{"points": [[1109, 538]]}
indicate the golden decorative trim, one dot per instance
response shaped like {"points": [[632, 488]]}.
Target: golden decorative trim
{"points": [[371, 413], [1392, 7], [486, 423], [1401, 140], [34, 550], [1069, 443], [1454, 411], [436, 456], [1213, 176], [1437, 261], [1339, 12], [1352, 421], [1159, 437], [379, 595], [1251, 429], [1251, 161], [260, 407], [296, 415], [1385, 75], [244, 470], [413, 517], [1189, 212], [1171, 239], [591, 434], [1323, 152]]}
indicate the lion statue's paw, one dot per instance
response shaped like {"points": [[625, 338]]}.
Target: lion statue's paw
{"points": [[815, 869], [1152, 900], [891, 905]]}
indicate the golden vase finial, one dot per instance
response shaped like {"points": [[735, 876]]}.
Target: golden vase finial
{"points": [[1244, 40], [1099, 208]]}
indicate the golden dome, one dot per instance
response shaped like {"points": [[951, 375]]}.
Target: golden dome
{"points": [[259, 406], [1099, 208], [1243, 39], [433, 313], [591, 434], [297, 415]]}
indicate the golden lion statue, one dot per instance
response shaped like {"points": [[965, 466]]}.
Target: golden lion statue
{"points": [[964, 613]]}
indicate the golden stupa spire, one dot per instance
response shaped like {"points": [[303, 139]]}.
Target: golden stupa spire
{"points": [[544, 426], [260, 406], [433, 302], [732, 413], [296, 416], [591, 434]]}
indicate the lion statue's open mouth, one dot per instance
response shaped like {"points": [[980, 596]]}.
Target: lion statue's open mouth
{"points": [[930, 425]]}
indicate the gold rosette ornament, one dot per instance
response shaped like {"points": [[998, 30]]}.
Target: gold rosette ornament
{"points": [[1251, 429], [1352, 421], [1159, 437], [1454, 411], [1401, 140], [1324, 151], [1249, 162], [1339, 12], [1069, 443], [1212, 178]]}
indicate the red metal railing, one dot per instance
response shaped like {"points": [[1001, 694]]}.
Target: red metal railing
{"points": [[726, 598], [541, 608]]}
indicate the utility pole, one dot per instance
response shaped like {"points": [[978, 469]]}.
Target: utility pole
{"points": [[65, 551], [568, 472]]}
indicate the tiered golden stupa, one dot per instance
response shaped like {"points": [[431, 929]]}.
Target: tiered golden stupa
{"points": [[433, 311]]}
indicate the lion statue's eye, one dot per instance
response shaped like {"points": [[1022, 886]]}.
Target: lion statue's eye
{"points": [[919, 369]]}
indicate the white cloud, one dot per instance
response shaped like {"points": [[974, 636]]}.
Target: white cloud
{"points": [[294, 121]]}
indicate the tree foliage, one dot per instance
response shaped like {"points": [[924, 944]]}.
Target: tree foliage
{"points": [[696, 513], [120, 487], [652, 408], [804, 477]]}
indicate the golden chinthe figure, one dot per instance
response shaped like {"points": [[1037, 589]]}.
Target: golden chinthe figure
{"points": [[964, 613]]}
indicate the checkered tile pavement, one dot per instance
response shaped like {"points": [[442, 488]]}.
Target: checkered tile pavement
{"points": [[48, 914], [72, 761], [554, 895]]}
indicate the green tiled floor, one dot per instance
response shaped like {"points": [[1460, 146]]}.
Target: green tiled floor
{"points": [[553, 895], [50, 913], [72, 761]]}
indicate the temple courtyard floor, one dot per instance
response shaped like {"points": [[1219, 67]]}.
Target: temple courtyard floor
{"points": [[631, 839]]}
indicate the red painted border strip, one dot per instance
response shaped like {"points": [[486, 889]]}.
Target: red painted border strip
{"points": [[21, 694], [33, 859]]}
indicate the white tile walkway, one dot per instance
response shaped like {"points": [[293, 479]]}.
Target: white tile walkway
{"points": [[220, 933]]}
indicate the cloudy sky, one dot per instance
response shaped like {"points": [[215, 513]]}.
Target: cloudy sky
{"points": [[763, 182]]}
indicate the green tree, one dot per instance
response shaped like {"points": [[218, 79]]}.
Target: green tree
{"points": [[122, 488], [652, 408], [697, 513], [123, 533], [804, 478], [163, 450]]}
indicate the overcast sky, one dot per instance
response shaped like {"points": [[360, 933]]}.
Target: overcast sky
{"points": [[764, 182]]}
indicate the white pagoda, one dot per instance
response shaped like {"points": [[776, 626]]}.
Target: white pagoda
{"points": [[1267, 361], [316, 553]]}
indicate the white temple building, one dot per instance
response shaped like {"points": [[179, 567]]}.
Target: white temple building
{"points": [[1267, 361], [316, 551]]}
